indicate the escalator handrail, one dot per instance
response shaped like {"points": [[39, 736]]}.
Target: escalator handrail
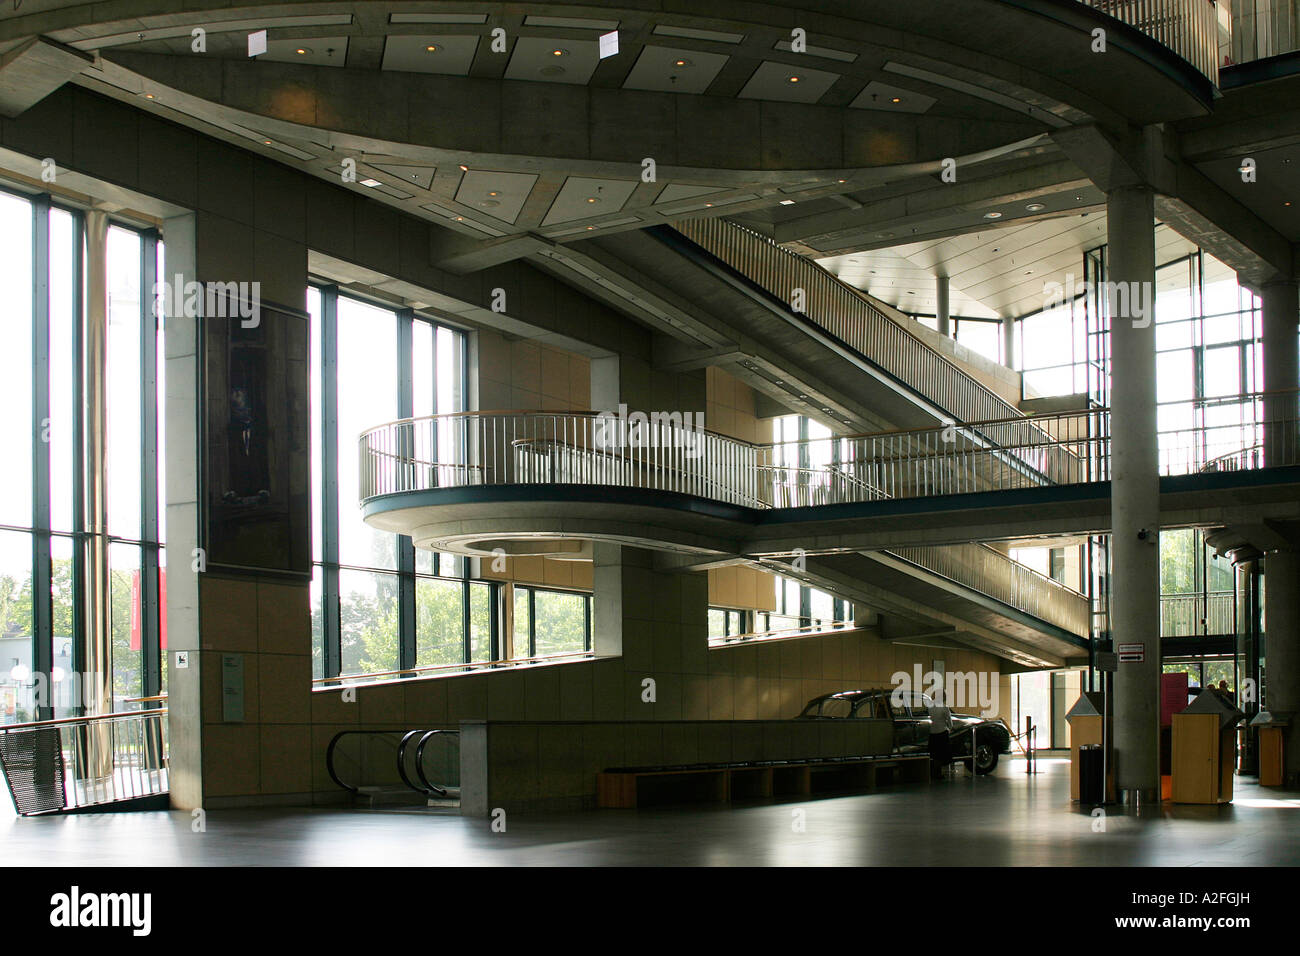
{"points": [[419, 761], [329, 754], [401, 759]]}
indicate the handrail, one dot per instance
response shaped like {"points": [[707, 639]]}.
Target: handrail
{"points": [[480, 665], [419, 760], [849, 315], [52, 766], [156, 712]]}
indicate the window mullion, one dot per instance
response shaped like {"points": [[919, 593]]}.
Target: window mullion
{"points": [[150, 640], [42, 596], [406, 618], [331, 653]]}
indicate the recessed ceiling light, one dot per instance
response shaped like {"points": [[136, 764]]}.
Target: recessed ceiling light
{"points": [[431, 48], [558, 52], [372, 183], [493, 193], [1078, 199], [682, 63], [148, 96], [710, 205], [993, 215], [464, 168], [589, 228], [592, 199], [787, 202], [460, 218], [266, 142], [841, 180], [1036, 207], [1287, 203], [794, 79], [896, 99], [302, 51]]}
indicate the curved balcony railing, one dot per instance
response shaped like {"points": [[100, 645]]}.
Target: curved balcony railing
{"points": [[1188, 27], [655, 452]]}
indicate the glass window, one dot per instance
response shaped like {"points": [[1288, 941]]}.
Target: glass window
{"points": [[439, 622], [368, 621], [367, 396], [16, 360], [837, 707], [551, 622], [366, 369]]}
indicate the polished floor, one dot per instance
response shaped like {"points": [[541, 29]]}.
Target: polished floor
{"points": [[1007, 819]]}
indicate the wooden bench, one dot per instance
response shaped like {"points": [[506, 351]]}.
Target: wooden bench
{"points": [[629, 787]]}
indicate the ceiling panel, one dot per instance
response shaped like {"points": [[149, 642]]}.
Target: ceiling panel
{"points": [[893, 99], [554, 61], [789, 84], [451, 55], [581, 198], [675, 191], [421, 176], [499, 195], [669, 70], [317, 51]]}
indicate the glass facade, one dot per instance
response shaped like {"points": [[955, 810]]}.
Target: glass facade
{"points": [[378, 605], [42, 521]]}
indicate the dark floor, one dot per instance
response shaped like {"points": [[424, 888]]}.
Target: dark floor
{"points": [[1007, 819]]}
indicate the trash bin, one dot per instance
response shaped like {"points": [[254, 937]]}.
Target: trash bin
{"points": [[1090, 775]]}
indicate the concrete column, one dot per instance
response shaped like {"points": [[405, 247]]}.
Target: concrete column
{"points": [[1282, 649], [1009, 342], [1282, 568], [1135, 490], [1281, 305], [941, 308]]}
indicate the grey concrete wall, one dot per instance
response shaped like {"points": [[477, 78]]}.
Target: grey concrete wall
{"points": [[524, 767]]}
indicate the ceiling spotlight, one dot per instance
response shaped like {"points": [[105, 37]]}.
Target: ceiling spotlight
{"points": [[592, 199], [302, 51], [559, 52], [682, 62], [896, 99], [1287, 203], [266, 142], [431, 48], [1036, 207], [589, 228], [993, 215], [464, 168], [371, 183], [841, 180], [493, 192], [794, 79], [460, 218], [148, 96], [710, 205]]}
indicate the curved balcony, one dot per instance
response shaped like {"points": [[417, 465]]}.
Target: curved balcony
{"points": [[1190, 28]]}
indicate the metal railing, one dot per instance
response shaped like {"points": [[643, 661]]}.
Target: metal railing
{"points": [[989, 571], [567, 448], [850, 316], [74, 762], [1188, 615], [439, 670], [1188, 27]]}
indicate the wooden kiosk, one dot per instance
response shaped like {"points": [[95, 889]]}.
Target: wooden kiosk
{"points": [[1205, 749]]}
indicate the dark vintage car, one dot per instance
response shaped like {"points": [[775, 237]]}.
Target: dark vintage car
{"points": [[912, 724]]}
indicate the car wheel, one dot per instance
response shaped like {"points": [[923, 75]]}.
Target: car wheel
{"points": [[986, 756]]}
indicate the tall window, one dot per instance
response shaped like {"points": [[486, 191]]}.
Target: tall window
{"points": [[549, 622], [43, 527], [378, 605]]}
